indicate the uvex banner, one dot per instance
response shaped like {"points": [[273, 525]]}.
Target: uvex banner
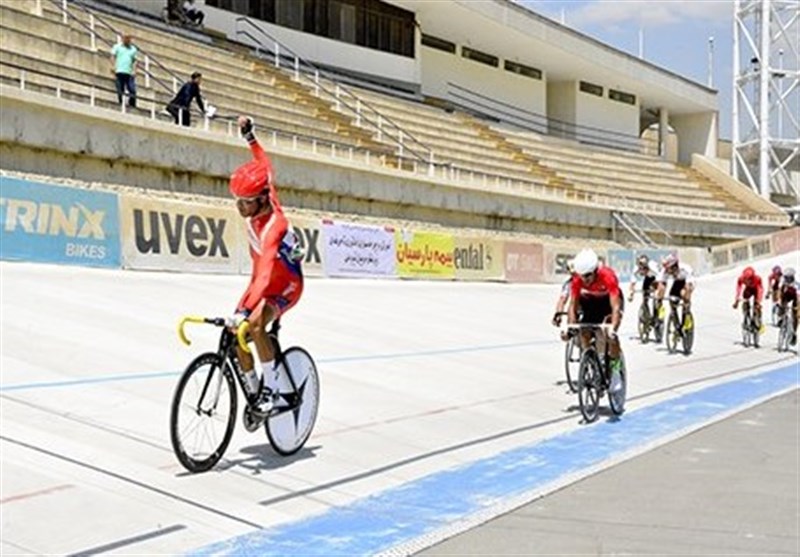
{"points": [[55, 224], [424, 254], [355, 250], [309, 234], [478, 259], [523, 262], [170, 235]]}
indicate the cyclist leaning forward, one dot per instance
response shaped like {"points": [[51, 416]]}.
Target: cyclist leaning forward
{"points": [[596, 295], [788, 296], [276, 282], [682, 287]]}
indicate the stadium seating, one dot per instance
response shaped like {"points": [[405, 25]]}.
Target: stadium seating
{"points": [[59, 58]]}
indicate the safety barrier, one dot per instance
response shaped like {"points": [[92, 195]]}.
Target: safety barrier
{"points": [[69, 225]]}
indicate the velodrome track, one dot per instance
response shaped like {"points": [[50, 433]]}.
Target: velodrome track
{"points": [[441, 407]]}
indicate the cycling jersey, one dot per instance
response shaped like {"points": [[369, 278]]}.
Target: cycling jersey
{"points": [[595, 298], [648, 276], [788, 292], [747, 291], [565, 288], [684, 276], [277, 275], [774, 281]]}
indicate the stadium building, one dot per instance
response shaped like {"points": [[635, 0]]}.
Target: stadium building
{"points": [[470, 115]]}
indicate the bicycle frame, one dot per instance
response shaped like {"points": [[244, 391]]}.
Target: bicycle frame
{"points": [[227, 352]]}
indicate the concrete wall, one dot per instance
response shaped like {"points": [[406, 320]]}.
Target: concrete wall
{"points": [[561, 101], [439, 68], [323, 50], [606, 114], [697, 133]]}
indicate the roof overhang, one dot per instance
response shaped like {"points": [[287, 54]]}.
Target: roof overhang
{"points": [[511, 31]]}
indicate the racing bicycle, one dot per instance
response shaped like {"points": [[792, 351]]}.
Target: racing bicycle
{"points": [[572, 359], [680, 327], [786, 329], [649, 319], [751, 329], [203, 412], [594, 375]]}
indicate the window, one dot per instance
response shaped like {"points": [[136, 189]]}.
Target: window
{"points": [[341, 21], [521, 69], [289, 13], [591, 88], [439, 44], [621, 96], [479, 56]]}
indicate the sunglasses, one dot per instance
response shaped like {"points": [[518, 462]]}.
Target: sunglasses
{"points": [[586, 276], [246, 200]]}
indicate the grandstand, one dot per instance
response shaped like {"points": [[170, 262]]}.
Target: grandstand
{"points": [[367, 137]]}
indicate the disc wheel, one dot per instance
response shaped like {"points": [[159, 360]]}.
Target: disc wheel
{"points": [[291, 422], [203, 413]]}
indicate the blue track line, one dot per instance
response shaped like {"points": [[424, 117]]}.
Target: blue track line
{"points": [[337, 360], [420, 507]]}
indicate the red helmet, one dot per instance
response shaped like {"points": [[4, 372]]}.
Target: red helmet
{"points": [[776, 270], [748, 274], [251, 179]]}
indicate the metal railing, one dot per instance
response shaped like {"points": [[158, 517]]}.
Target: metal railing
{"points": [[475, 102], [447, 173], [365, 115]]}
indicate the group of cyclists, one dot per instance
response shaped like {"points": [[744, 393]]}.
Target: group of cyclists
{"points": [[592, 289], [593, 296], [783, 290]]}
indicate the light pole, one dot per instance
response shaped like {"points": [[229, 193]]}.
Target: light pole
{"points": [[711, 62]]}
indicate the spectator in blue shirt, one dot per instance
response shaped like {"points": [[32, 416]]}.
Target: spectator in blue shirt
{"points": [[179, 106], [124, 69]]}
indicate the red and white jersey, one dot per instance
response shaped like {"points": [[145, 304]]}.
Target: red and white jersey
{"points": [[605, 284], [273, 247]]}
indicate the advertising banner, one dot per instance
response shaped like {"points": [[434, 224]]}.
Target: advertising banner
{"points": [[170, 235], [355, 250], [786, 241], [309, 234], [478, 259], [424, 254], [523, 262], [58, 224], [622, 261]]}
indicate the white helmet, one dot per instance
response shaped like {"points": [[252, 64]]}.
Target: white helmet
{"points": [[585, 262]]}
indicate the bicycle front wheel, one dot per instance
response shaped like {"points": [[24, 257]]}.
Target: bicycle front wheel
{"points": [[290, 426], [203, 413], [589, 386], [644, 323], [570, 361], [672, 334]]}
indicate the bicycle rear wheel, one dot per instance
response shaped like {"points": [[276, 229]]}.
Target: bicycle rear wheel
{"points": [[688, 328], [617, 400], [203, 413], [572, 360], [589, 386], [290, 426]]}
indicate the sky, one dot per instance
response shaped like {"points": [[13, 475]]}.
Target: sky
{"points": [[676, 34]]}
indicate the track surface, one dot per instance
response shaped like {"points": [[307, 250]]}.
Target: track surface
{"points": [[419, 380]]}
